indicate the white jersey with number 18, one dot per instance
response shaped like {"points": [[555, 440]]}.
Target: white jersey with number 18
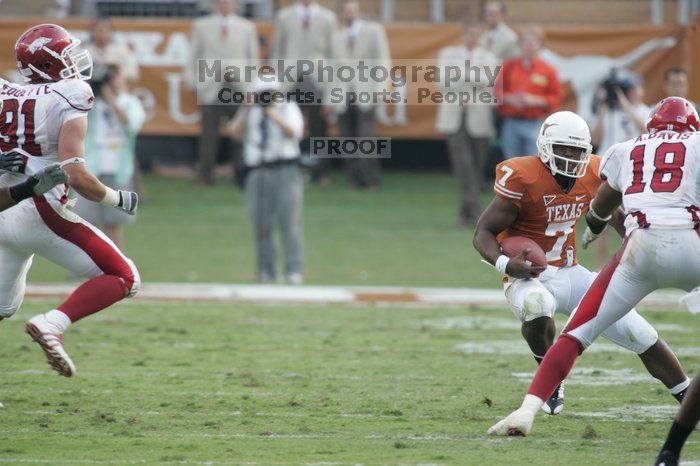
{"points": [[659, 178], [31, 118]]}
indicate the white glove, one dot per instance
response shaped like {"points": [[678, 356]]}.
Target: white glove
{"points": [[588, 237], [128, 201], [47, 178]]}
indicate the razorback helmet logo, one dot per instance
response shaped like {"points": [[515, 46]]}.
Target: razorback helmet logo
{"points": [[38, 44], [47, 53]]}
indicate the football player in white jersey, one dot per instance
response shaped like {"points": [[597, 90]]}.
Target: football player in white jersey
{"points": [[655, 177], [45, 120]]}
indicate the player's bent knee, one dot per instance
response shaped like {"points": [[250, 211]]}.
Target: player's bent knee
{"points": [[538, 303], [132, 280]]}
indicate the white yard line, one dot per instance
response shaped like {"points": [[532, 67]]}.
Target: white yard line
{"points": [[275, 294]]}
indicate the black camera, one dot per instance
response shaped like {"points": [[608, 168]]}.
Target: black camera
{"points": [[611, 86], [101, 74]]}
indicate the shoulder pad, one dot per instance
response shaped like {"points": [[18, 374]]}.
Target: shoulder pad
{"points": [[76, 93]]}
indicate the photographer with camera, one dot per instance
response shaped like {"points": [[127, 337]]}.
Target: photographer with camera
{"points": [[620, 111], [271, 128], [113, 125]]}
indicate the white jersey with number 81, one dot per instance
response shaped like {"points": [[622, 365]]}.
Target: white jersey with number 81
{"points": [[31, 118]]}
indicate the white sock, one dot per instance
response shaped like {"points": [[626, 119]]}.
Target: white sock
{"points": [[58, 319], [680, 387], [532, 403]]}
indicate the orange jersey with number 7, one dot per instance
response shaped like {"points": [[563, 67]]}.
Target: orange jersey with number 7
{"points": [[547, 214]]}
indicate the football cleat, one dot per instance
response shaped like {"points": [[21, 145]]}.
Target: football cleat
{"points": [[555, 403], [517, 424], [666, 458], [41, 332]]}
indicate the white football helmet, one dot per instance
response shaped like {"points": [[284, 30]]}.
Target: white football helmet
{"points": [[565, 129]]}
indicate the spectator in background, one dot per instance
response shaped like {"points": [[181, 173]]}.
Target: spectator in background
{"points": [[530, 90], [104, 50], [304, 31], [676, 83], [468, 129], [274, 187], [360, 40], [498, 39], [223, 35], [621, 114], [113, 125]]}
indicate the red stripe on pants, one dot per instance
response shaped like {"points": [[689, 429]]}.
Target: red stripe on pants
{"points": [[590, 304], [102, 253]]}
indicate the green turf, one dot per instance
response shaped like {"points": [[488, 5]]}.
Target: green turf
{"points": [[225, 384], [406, 234]]}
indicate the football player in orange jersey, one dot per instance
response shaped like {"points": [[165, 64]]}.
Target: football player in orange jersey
{"points": [[542, 197]]}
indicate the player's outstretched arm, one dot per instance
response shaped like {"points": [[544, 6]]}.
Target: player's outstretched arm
{"points": [[71, 152], [498, 216], [604, 209], [37, 184]]}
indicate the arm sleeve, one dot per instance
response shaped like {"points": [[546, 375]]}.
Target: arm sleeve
{"points": [[610, 167], [296, 120], [135, 115], [509, 184], [254, 45], [75, 99]]}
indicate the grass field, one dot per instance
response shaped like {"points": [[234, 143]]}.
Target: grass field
{"points": [[260, 385], [250, 384], [406, 234]]}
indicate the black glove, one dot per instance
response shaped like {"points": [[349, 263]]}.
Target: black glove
{"points": [[12, 161]]}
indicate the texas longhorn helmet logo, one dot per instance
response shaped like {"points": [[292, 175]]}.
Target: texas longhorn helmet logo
{"points": [[546, 126], [37, 44]]}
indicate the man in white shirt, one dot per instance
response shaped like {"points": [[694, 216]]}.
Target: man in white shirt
{"points": [[271, 130], [624, 120]]}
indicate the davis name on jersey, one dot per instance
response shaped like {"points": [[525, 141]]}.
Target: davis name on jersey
{"points": [[659, 178], [547, 214], [31, 118]]}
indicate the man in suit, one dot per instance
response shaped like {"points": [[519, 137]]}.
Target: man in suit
{"points": [[468, 128], [498, 39], [360, 40], [304, 31], [223, 35]]}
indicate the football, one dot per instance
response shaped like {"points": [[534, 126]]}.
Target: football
{"points": [[514, 245]]}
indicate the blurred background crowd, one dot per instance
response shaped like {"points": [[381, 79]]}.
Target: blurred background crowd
{"points": [[551, 54]]}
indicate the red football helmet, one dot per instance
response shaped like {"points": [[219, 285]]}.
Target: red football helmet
{"points": [[673, 114], [47, 52]]}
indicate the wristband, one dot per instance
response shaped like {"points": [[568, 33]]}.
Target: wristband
{"points": [[596, 216], [111, 198], [24, 190], [595, 229], [501, 264]]}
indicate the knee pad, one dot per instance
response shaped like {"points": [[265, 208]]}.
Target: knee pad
{"points": [[136, 285], [538, 303]]}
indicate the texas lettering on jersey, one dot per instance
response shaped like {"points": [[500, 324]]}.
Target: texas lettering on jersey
{"points": [[547, 215]]}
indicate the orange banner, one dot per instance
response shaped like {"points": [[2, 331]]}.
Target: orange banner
{"points": [[583, 57]]}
